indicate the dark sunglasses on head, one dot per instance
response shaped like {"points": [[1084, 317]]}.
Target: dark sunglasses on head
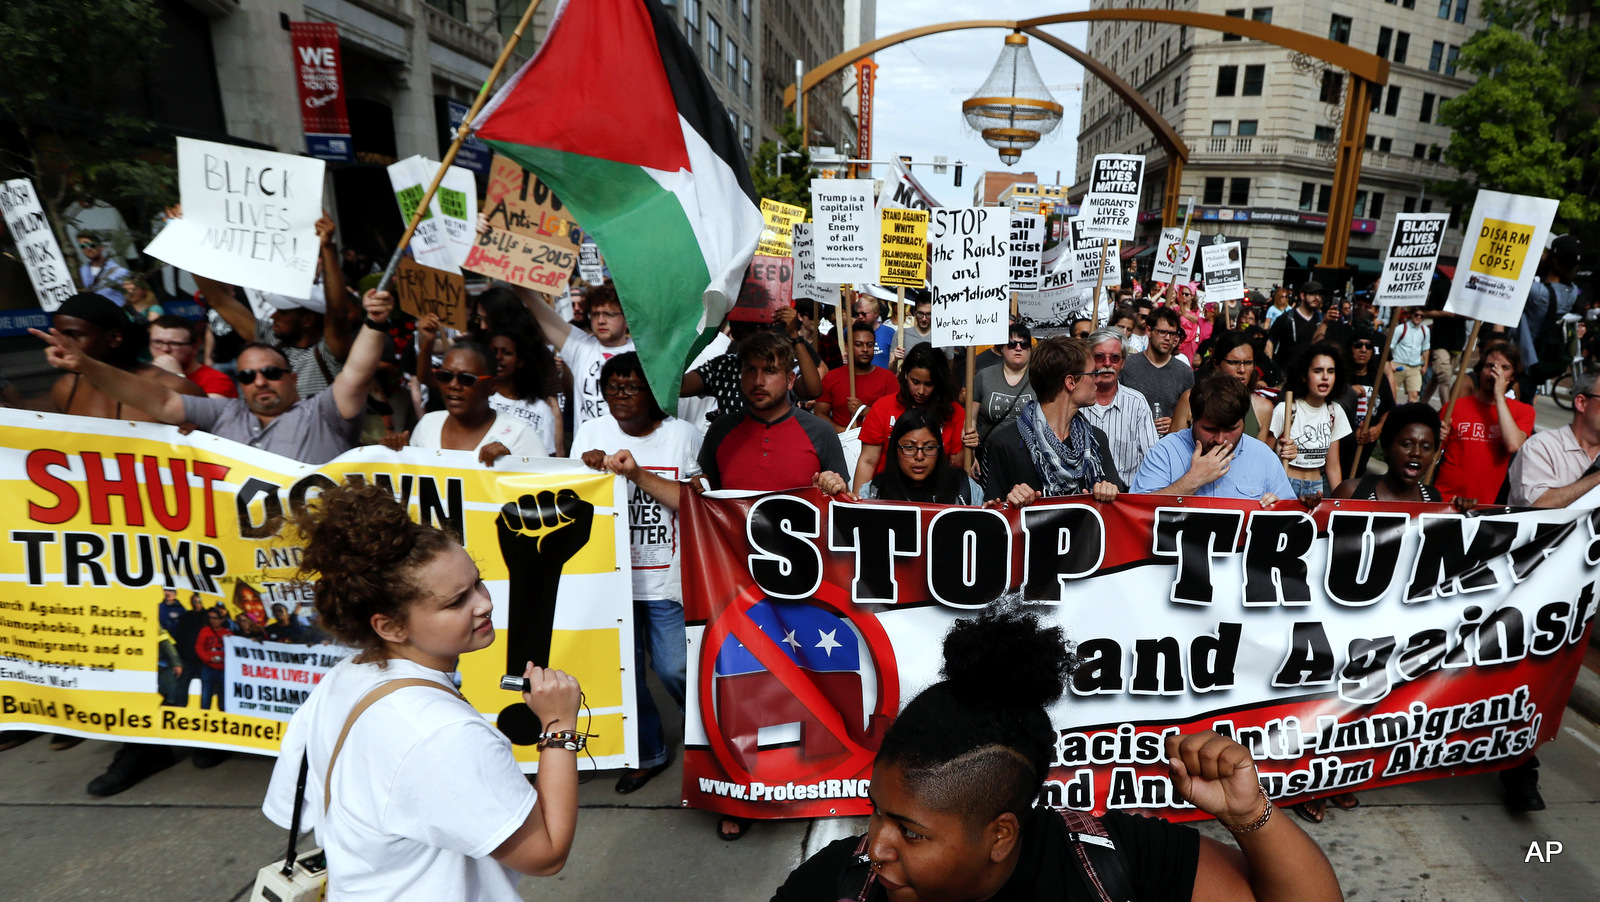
{"points": [[465, 380], [273, 374]]}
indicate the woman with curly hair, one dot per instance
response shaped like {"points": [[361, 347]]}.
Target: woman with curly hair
{"points": [[413, 794], [520, 378], [1310, 444]]}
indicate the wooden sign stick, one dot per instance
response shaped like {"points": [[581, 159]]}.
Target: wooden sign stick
{"points": [[1288, 421], [1456, 391], [1105, 247], [847, 341]]}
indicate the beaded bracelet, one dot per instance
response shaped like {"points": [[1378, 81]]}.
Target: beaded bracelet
{"points": [[1258, 823]]}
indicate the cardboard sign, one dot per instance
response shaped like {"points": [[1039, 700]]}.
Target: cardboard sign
{"points": [[522, 260], [1413, 253], [768, 284], [904, 248], [591, 266], [422, 290], [249, 217], [1111, 208], [806, 286], [969, 259], [36, 243], [777, 227], [445, 234], [1224, 265], [1172, 263], [1087, 252], [1027, 245], [1500, 255], [845, 230], [518, 202]]}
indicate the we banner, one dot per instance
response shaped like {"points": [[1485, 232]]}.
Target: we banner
{"points": [[1359, 645], [105, 517]]}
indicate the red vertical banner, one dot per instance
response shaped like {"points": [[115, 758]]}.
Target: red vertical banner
{"points": [[866, 78], [321, 84]]}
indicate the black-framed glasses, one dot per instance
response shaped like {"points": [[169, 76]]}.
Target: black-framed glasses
{"points": [[1588, 395], [1242, 364], [1168, 333], [617, 390], [1362, 346], [88, 245], [465, 380], [912, 449], [248, 377]]}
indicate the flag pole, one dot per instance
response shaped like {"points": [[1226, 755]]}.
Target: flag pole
{"points": [[847, 341], [455, 146], [1456, 392]]}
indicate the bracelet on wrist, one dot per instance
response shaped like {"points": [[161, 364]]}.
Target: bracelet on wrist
{"points": [[371, 323], [571, 740], [1266, 815]]}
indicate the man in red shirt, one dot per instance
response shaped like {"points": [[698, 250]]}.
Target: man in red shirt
{"points": [[173, 342], [1486, 428], [872, 382]]}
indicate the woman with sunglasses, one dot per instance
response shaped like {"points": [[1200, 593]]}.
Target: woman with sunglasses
{"points": [[1234, 354], [468, 422], [1364, 378], [1196, 328], [921, 470]]}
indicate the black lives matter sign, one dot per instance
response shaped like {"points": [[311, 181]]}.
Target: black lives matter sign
{"points": [[1111, 208], [1413, 253]]}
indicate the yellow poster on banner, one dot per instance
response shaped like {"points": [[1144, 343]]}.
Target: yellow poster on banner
{"points": [[126, 537], [904, 242], [777, 230]]}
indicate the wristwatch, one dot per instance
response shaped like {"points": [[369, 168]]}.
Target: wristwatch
{"points": [[371, 323], [570, 740]]}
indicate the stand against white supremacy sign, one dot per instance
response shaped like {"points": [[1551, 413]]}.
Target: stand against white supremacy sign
{"points": [[249, 217], [36, 243], [1413, 252], [845, 230], [971, 274], [1111, 208]]}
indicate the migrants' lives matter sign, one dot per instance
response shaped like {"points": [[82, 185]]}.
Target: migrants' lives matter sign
{"points": [[904, 259], [1111, 208], [1499, 256], [845, 230], [1413, 253], [969, 259], [249, 217], [1224, 265], [806, 286], [1027, 246], [36, 243]]}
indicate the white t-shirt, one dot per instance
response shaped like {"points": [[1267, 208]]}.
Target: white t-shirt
{"points": [[424, 789], [535, 412], [507, 430], [585, 356], [670, 452], [1315, 428]]}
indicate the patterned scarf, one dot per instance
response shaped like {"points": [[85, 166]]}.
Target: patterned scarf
{"points": [[1065, 468]]}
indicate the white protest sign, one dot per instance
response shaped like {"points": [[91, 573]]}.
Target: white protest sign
{"points": [[806, 286], [1057, 298], [845, 230], [901, 189], [36, 244], [1224, 265], [272, 679], [591, 268], [1087, 252], [445, 235], [249, 217], [457, 200], [969, 266], [1413, 252], [1111, 208], [1171, 264], [1027, 245], [1499, 256]]}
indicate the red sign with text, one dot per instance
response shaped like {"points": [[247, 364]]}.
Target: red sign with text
{"points": [[321, 84]]}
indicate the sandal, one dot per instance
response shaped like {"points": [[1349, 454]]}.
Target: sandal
{"points": [[1312, 810], [743, 823], [1346, 801]]}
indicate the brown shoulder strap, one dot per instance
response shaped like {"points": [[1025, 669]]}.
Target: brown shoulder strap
{"points": [[367, 701]]}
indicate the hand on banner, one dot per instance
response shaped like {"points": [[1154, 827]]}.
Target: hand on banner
{"points": [[63, 352], [553, 696], [1213, 465], [492, 452], [1104, 492], [594, 459], [378, 304], [1311, 501], [1268, 500], [621, 463], [1020, 495], [1463, 504], [832, 483], [394, 441], [325, 229], [1216, 775]]}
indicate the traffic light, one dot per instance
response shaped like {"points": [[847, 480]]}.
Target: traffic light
{"points": [[958, 175]]}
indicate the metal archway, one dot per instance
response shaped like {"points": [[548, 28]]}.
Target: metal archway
{"points": [[1366, 70]]}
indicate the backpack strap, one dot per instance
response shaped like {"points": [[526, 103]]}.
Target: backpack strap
{"points": [[858, 879], [367, 701], [1104, 872]]}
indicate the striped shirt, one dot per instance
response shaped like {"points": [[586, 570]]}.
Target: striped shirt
{"points": [[1129, 425]]}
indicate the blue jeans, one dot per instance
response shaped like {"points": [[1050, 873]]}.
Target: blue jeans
{"points": [[211, 687], [1304, 487], [658, 627]]}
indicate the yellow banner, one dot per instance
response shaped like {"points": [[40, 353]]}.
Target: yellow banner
{"points": [[124, 537], [904, 255], [777, 230]]}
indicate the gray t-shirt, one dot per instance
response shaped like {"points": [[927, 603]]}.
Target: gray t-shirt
{"points": [[999, 402], [1162, 386], [313, 431]]}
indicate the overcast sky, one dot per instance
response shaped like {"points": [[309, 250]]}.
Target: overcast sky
{"points": [[922, 83]]}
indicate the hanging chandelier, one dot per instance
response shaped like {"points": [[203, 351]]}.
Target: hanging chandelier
{"points": [[1013, 109]]}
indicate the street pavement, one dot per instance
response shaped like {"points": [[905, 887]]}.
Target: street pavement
{"points": [[188, 834]]}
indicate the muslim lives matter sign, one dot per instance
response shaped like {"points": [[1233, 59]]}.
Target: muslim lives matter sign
{"points": [[1500, 255], [249, 217], [970, 260], [1111, 208], [1413, 252], [846, 230], [36, 243]]}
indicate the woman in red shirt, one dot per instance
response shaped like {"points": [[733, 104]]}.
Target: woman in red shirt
{"points": [[208, 645], [926, 385], [1486, 428]]}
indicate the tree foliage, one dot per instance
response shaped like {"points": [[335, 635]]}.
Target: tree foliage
{"points": [[1529, 125], [794, 186]]}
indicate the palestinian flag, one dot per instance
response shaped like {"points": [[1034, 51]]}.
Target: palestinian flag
{"points": [[615, 115]]}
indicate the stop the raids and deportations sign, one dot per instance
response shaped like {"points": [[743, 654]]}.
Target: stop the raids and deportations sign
{"points": [[1413, 252], [844, 230], [1500, 256], [904, 260], [1348, 648], [1111, 208], [971, 275], [36, 243]]}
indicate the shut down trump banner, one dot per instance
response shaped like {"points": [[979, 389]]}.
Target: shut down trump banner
{"points": [[124, 539], [1359, 645]]}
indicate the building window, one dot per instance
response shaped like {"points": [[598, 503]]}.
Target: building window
{"points": [[1435, 153], [744, 9], [1308, 195], [1385, 145], [1461, 10], [747, 136], [1450, 60], [1377, 97], [744, 73], [1239, 193], [1427, 108], [691, 24], [1254, 78], [1393, 105], [1232, 14], [713, 48], [1177, 90], [1332, 86], [1339, 28], [1402, 43], [1246, 127], [1262, 14], [1444, 9], [1385, 36], [1213, 194], [1324, 133], [456, 9], [1455, 217], [1324, 198], [1227, 80], [1419, 151], [1375, 209], [1436, 56], [1408, 4], [1372, 142], [1427, 206], [733, 68], [1410, 205], [1221, 127], [1360, 210]]}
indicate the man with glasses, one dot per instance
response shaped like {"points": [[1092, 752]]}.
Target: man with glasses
{"points": [[585, 353], [866, 311], [1121, 412], [1156, 374], [173, 342], [1556, 468], [920, 332], [100, 274], [1411, 343]]}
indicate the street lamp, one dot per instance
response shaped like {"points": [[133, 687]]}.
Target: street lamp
{"points": [[1013, 109]]}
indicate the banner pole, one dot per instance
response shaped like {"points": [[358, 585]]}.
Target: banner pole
{"points": [[1383, 361], [455, 146], [900, 334], [1456, 391], [972, 402], [1288, 421], [1105, 245], [846, 344]]}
